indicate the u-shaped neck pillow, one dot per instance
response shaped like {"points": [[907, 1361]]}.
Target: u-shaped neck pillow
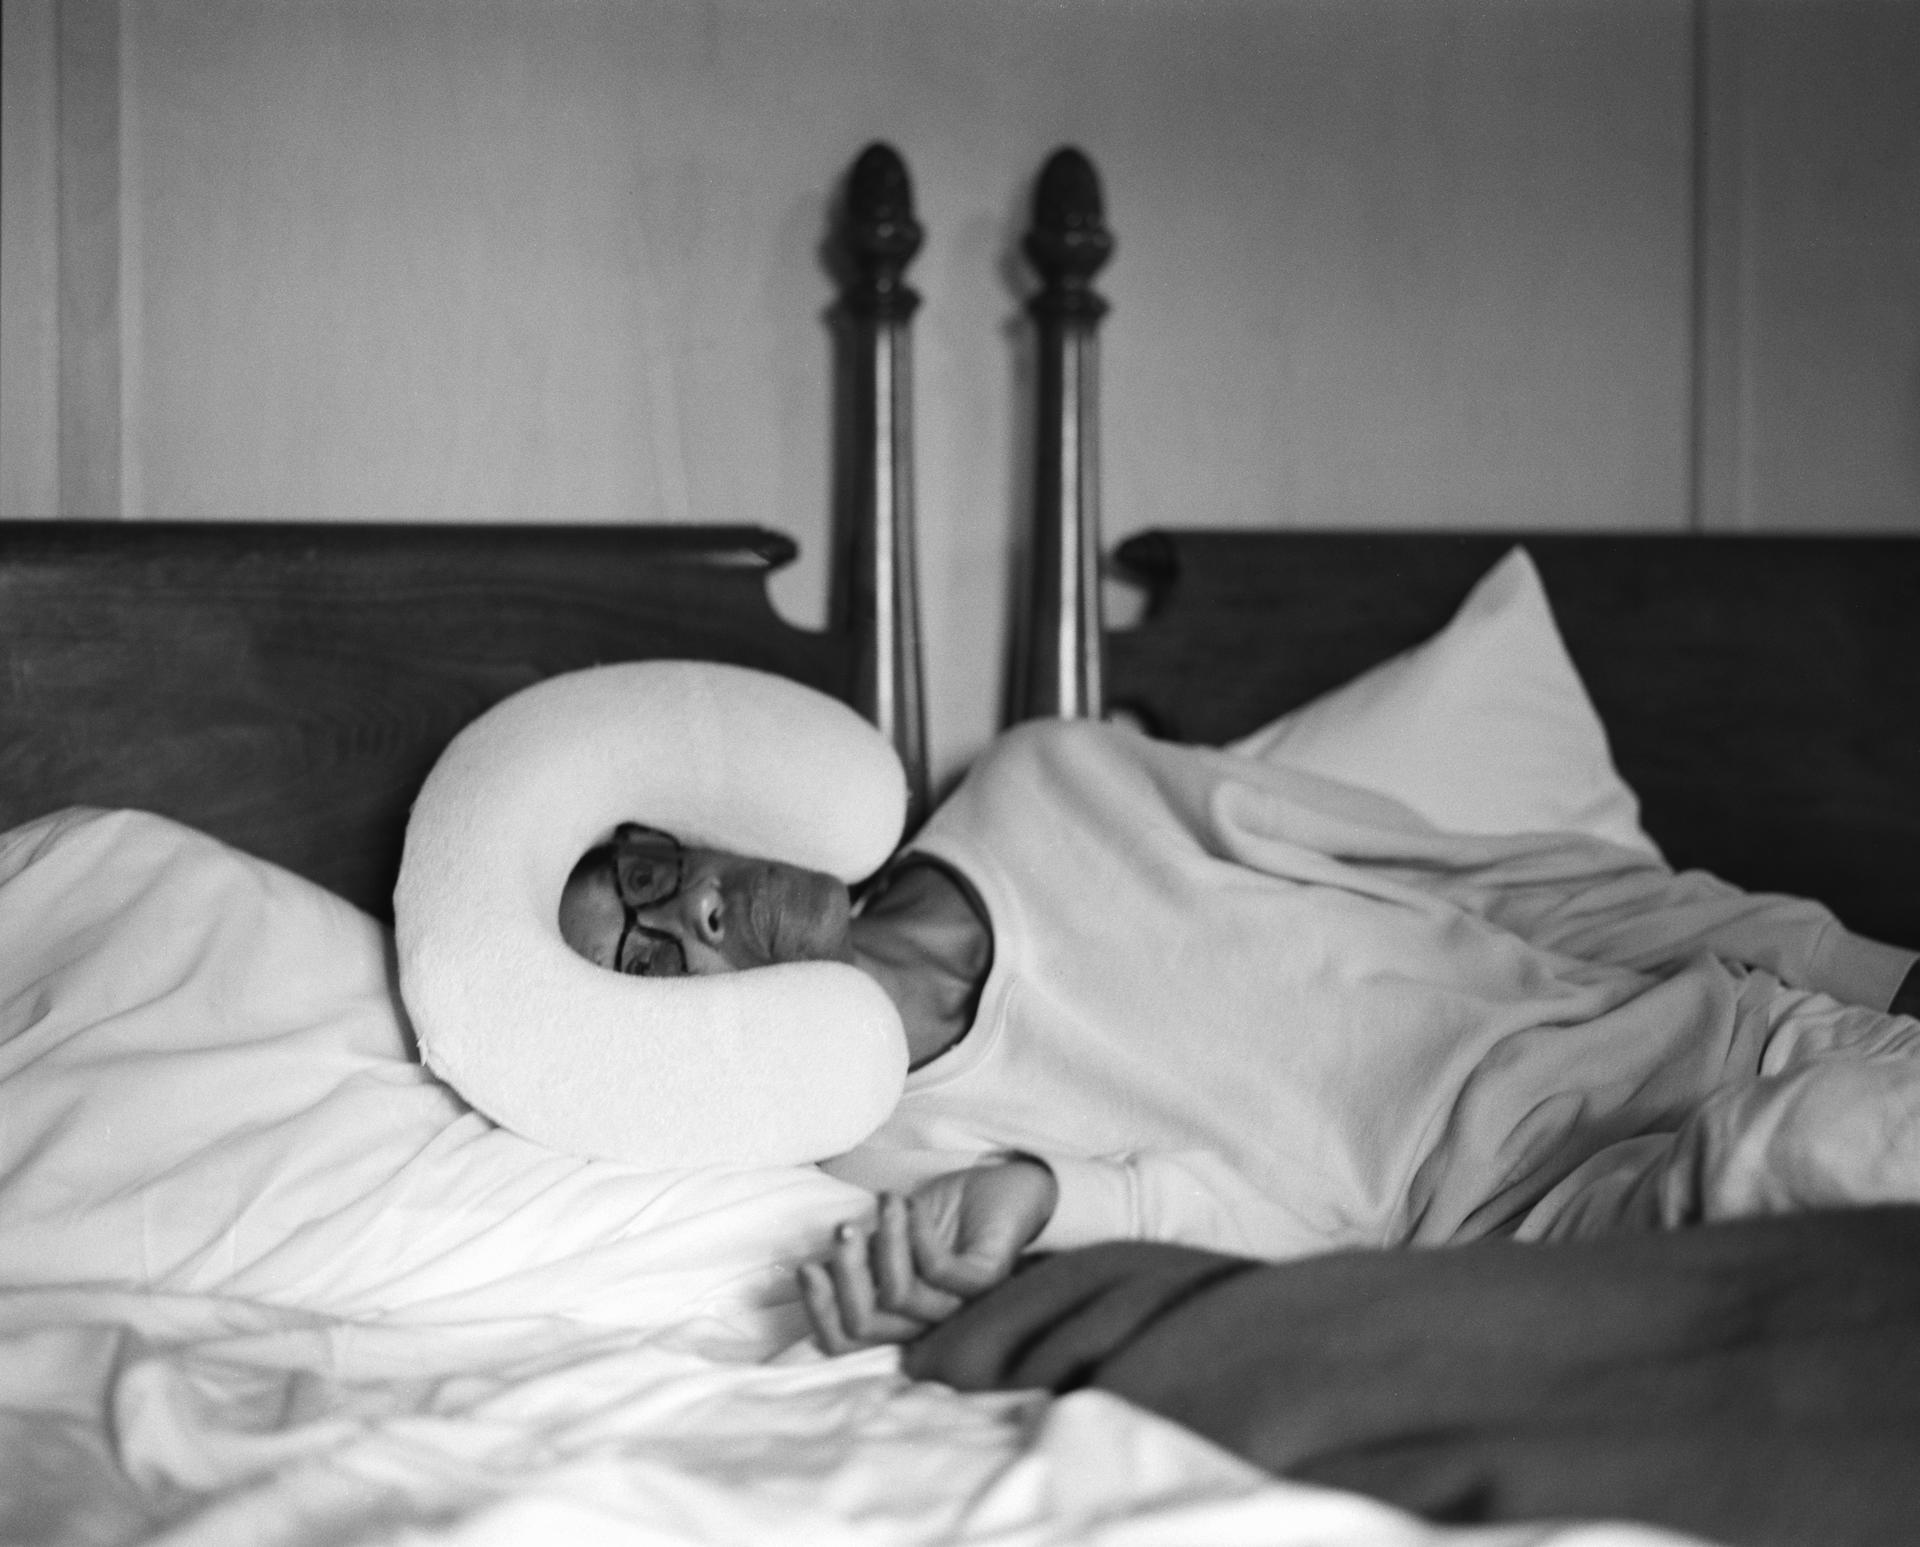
{"points": [[771, 1066]]}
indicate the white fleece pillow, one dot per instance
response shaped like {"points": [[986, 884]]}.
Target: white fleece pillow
{"points": [[207, 1087], [1485, 728], [775, 1066]]}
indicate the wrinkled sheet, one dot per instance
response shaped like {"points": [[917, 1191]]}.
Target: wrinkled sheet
{"points": [[193, 1420], [264, 1281]]}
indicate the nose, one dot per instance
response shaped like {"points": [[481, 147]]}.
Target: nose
{"points": [[703, 910]]}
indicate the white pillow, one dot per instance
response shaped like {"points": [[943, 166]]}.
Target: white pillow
{"points": [[206, 1087], [781, 1065], [1485, 728]]}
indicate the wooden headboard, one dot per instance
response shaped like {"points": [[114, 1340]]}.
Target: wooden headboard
{"points": [[1761, 694], [286, 687]]}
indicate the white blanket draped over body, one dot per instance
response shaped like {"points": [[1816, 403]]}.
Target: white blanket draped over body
{"points": [[1239, 1006], [265, 1282]]}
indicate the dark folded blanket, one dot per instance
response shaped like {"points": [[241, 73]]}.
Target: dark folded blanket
{"points": [[1757, 1382]]}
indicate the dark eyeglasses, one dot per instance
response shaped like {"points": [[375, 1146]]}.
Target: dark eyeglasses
{"points": [[649, 868]]}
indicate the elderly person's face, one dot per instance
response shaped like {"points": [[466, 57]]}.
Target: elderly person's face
{"points": [[645, 905]]}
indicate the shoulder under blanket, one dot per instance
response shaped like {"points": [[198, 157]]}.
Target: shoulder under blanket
{"points": [[1757, 1381]]}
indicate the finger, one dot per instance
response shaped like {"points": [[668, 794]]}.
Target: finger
{"points": [[829, 1325], [892, 1258], [959, 1275], [848, 1270], [901, 1289], [823, 1310], [852, 1281]]}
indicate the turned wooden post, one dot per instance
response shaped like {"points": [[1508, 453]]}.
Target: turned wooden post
{"points": [[1058, 670], [883, 599]]}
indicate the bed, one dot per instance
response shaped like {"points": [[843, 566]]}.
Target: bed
{"points": [[267, 1281]]}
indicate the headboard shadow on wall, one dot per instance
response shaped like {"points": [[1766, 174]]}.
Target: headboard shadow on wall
{"points": [[286, 686]]}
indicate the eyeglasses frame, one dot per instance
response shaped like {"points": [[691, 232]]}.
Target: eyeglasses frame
{"points": [[630, 911]]}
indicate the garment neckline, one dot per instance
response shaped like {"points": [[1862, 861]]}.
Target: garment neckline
{"points": [[991, 991]]}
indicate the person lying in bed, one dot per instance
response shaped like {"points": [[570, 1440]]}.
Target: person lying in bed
{"points": [[1177, 994]]}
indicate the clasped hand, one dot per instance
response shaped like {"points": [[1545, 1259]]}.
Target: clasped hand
{"points": [[925, 1255]]}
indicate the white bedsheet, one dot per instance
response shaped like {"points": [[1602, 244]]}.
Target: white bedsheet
{"points": [[265, 1282], [241, 1425]]}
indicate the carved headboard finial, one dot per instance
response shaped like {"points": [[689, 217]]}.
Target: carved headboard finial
{"points": [[1069, 241], [878, 237], [1060, 645], [881, 235]]}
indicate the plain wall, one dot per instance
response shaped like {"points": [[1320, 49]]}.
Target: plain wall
{"points": [[1812, 263], [1419, 263], [29, 259]]}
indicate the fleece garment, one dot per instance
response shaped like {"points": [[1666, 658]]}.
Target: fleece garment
{"points": [[1240, 1006]]}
